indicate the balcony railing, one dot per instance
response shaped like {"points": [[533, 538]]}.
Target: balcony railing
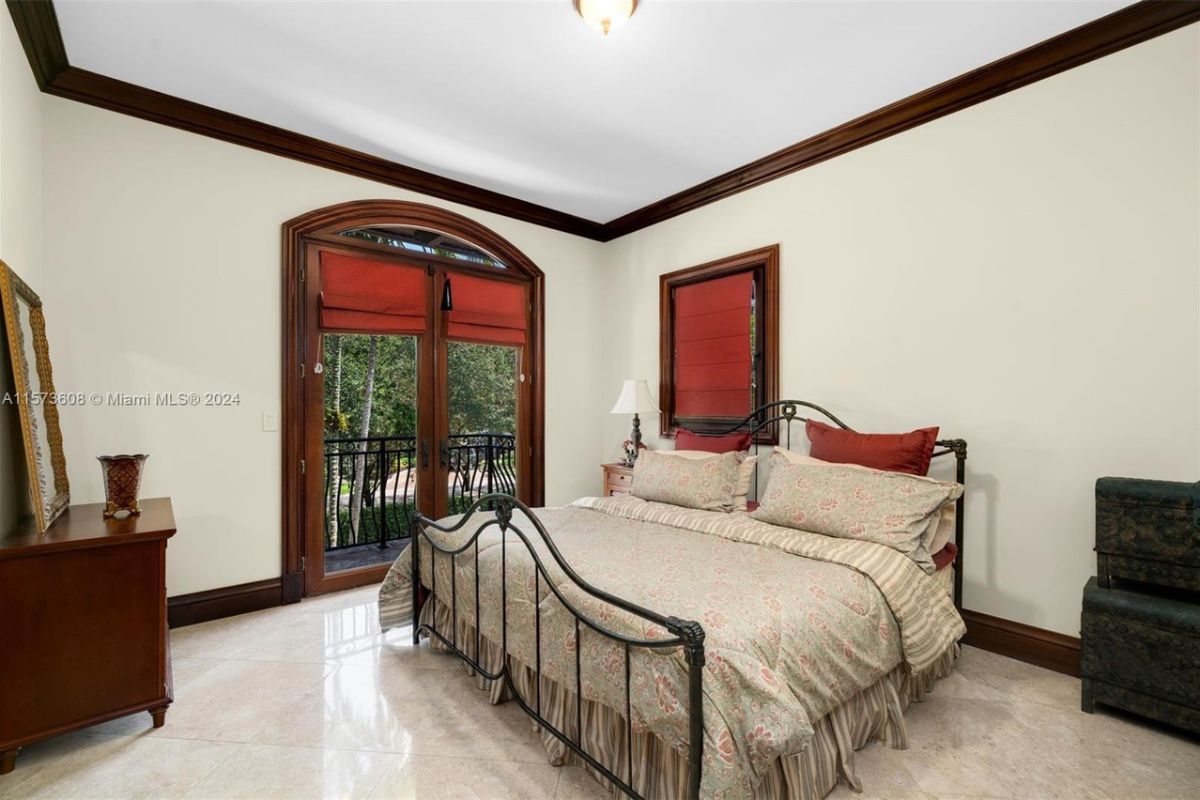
{"points": [[479, 464], [370, 483]]}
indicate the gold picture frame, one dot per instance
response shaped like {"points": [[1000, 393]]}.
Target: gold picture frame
{"points": [[34, 394]]}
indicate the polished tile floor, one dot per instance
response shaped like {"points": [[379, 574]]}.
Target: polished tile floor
{"points": [[312, 701]]}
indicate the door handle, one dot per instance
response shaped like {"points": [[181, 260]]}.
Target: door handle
{"points": [[424, 454], [445, 454]]}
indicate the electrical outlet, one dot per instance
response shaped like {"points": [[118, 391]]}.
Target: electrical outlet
{"points": [[270, 421]]}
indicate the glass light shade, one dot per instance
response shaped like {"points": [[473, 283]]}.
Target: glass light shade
{"points": [[605, 16], [635, 396]]}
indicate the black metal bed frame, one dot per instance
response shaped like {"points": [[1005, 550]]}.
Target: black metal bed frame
{"points": [[686, 635]]}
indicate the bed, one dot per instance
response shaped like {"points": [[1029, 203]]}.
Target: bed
{"points": [[682, 652]]}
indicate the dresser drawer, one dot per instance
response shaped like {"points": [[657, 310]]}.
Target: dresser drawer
{"points": [[618, 479]]}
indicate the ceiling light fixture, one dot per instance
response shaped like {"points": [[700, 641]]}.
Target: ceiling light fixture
{"points": [[605, 15]]}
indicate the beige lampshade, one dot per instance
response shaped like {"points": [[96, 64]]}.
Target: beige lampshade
{"points": [[635, 397]]}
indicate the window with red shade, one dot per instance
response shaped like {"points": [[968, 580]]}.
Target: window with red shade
{"points": [[719, 326]]}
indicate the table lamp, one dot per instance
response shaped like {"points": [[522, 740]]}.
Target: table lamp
{"points": [[635, 395]]}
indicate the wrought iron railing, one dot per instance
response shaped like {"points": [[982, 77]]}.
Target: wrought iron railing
{"points": [[370, 482], [370, 490], [479, 464]]}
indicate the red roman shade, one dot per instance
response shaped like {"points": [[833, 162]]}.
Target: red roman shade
{"points": [[713, 358], [486, 311], [361, 294]]}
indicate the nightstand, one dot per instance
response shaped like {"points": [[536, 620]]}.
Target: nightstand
{"points": [[617, 479]]}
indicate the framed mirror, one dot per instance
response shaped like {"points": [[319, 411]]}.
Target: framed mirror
{"points": [[33, 383]]}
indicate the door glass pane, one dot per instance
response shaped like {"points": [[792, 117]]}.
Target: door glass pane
{"points": [[370, 447], [480, 452]]}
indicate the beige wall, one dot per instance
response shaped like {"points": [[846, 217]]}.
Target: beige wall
{"points": [[20, 236], [163, 274], [1024, 273]]}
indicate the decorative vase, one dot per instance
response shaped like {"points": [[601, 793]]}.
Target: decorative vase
{"points": [[122, 480]]}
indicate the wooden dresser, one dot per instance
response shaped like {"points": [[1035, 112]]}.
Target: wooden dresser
{"points": [[83, 618], [617, 479]]}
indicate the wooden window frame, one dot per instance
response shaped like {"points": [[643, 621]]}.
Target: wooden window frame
{"points": [[319, 229], [764, 263]]}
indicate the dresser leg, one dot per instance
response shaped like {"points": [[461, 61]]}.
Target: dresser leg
{"points": [[1086, 694], [159, 715], [8, 760]]}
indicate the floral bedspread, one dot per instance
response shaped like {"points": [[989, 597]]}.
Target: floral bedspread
{"points": [[796, 623]]}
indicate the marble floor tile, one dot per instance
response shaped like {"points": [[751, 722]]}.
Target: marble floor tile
{"points": [[430, 777], [336, 601], [231, 702], [361, 707], [977, 747], [313, 700], [395, 648], [117, 767], [272, 772], [462, 723], [882, 773], [576, 783], [1016, 679], [312, 638], [185, 670]]}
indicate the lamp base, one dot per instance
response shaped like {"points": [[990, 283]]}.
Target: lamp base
{"points": [[635, 436]]}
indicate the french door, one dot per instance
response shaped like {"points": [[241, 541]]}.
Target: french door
{"points": [[417, 393]]}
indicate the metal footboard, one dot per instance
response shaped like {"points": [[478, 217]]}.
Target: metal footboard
{"points": [[685, 634]]}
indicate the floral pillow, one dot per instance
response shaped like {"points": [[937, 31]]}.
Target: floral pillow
{"points": [[741, 492], [706, 483], [894, 509]]}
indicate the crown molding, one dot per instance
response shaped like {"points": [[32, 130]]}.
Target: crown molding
{"points": [[37, 26], [1116, 31]]}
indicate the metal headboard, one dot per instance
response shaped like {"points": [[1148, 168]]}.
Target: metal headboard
{"points": [[768, 417]]}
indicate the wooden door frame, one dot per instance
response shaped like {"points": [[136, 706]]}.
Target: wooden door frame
{"points": [[318, 225]]}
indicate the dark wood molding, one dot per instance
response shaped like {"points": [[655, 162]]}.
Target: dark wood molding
{"points": [[226, 601], [1116, 31], [764, 262], [37, 26], [1048, 649], [188, 609], [316, 230], [292, 587]]}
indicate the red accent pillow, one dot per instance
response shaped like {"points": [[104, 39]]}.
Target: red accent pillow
{"points": [[945, 557], [686, 440], [896, 452]]}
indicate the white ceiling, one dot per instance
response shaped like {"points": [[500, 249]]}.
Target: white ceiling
{"points": [[523, 98]]}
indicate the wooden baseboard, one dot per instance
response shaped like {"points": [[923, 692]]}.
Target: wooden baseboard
{"points": [[1048, 649], [293, 587], [227, 601]]}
